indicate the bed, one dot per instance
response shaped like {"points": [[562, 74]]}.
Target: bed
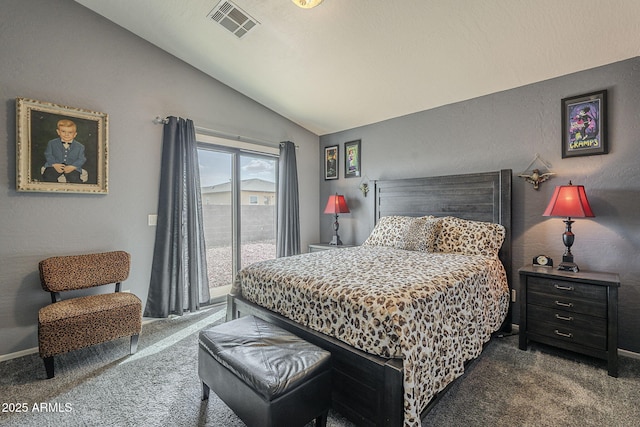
{"points": [[396, 348]]}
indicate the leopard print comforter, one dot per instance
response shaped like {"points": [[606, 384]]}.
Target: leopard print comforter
{"points": [[434, 310]]}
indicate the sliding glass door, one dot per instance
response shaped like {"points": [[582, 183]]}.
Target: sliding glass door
{"points": [[239, 207]]}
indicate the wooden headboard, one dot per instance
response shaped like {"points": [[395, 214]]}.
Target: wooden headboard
{"points": [[476, 196]]}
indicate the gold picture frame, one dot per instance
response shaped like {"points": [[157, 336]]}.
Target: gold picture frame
{"points": [[41, 129]]}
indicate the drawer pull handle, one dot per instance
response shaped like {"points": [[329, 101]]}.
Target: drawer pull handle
{"points": [[562, 334], [568, 319], [563, 288], [564, 304]]}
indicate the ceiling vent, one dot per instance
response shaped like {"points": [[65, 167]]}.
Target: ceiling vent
{"points": [[231, 17]]}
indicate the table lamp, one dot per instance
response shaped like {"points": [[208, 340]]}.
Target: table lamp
{"points": [[569, 201], [336, 205]]}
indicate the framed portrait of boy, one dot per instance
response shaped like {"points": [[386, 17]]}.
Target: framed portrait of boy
{"points": [[60, 149]]}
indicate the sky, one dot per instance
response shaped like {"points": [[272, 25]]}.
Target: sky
{"points": [[215, 167]]}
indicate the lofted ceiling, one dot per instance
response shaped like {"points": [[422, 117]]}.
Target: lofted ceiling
{"points": [[348, 63]]}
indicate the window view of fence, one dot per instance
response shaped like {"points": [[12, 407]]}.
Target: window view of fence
{"points": [[253, 212], [257, 237]]}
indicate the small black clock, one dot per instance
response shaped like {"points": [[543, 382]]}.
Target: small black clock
{"points": [[543, 261]]}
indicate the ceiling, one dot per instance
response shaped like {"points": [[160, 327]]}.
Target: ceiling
{"points": [[348, 63]]}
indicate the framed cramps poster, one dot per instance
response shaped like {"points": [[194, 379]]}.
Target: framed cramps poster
{"points": [[60, 148], [584, 125], [352, 156]]}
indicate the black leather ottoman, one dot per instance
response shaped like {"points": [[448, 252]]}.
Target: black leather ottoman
{"points": [[266, 375]]}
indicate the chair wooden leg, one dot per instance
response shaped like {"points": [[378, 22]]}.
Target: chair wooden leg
{"points": [[134, 344], [205, 391], [48, 366]]}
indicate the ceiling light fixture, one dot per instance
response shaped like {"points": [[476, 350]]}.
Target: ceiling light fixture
{"points": [[307, 4]]}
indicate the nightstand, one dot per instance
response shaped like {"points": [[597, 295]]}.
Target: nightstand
{"points": [[572, 311], [316, 247]]}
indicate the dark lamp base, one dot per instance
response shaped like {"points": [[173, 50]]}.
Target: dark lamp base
{"points": [[567, 264], [564, 266]]}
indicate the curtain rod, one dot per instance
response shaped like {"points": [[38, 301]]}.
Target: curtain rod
{"points": [[217, 133]]}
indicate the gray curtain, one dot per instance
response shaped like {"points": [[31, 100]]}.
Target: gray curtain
{"points": [[179, 279], [288, 239]]}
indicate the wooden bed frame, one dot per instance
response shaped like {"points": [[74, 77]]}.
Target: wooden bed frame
{"points": [[368, 389]]}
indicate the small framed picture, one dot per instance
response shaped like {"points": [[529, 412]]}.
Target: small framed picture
{"points": [[60, 149], [352, 156], [331, 162], [584, 125]]}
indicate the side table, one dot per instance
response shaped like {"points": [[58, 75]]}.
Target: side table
{"points": [[572, 311]]}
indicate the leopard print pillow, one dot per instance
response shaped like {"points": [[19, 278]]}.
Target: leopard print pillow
{"points": [[421, 234], [404, 232], [467, 237]]}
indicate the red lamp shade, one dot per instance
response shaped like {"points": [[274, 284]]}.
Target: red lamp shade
{"points": [[570, 201], [336, 205]]}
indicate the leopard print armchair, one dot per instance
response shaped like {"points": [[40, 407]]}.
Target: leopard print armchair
{"points": [[71, 324]]}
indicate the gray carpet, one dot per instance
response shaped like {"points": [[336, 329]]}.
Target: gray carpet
{"points": [[543, 386], [159, 386]]}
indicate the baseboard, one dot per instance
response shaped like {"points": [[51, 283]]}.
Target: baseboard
{"points": [[627, 353], [145, 320], [9, 356], [515, 329]]}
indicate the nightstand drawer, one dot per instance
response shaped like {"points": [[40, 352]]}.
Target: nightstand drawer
{"points": [[578, 328], [567, 289], [566, 303], [594, 335]]}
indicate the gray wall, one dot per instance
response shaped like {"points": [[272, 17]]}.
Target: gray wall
{"points": [[505, 130], [59, 51]]}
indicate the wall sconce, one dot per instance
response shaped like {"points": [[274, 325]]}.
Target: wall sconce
{"points": [[569, 201], [364, 187], [336, 205]]}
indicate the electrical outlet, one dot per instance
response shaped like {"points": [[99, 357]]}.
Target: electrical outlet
{"points": [[128, 291], [513, 295], [152, 220]]}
